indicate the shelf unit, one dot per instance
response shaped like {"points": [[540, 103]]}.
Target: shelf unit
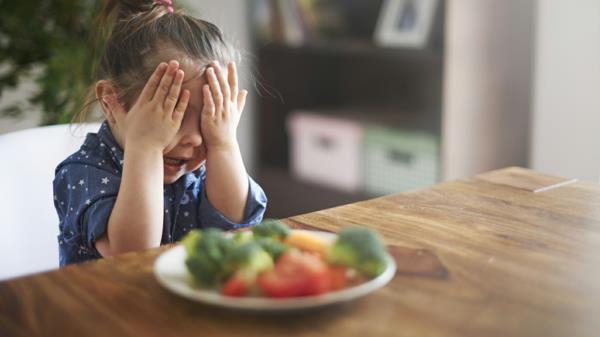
{"points": [[400, 87]]}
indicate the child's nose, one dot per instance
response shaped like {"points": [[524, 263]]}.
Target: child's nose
{"points": [[190, 135]]}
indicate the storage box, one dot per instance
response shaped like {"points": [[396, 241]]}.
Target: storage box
{"points": [[399, 160], [326, 150]]}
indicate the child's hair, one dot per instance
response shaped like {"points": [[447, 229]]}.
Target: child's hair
{"points": [[136, 32]]}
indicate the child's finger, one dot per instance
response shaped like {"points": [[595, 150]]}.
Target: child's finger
{"points": [[215, 89], [179, 111], [165, 83], [233, 80], [153, 81], [223, 83], [173, 95], [241, 100], [209, 103]]}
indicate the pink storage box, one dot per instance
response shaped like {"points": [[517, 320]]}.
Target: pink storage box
{"points": [[326, 150]]}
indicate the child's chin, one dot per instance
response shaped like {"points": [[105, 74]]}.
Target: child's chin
{"points": [[169, 179]]}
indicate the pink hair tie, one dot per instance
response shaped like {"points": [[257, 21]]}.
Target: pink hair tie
{"points": [[166, 3]]}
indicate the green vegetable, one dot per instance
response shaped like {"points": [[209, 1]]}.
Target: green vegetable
{"points": [[273, 247], [271, 228], [248, 258], [359, 248], [206, 253], [242, 237]]}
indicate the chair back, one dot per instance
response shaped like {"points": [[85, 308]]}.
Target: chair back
{"points": [[28, 220]]}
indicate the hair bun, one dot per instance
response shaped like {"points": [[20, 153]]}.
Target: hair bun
{"points": [[167, 3]]}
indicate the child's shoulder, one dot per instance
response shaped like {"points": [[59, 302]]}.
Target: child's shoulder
{"points": [[97, 152]]}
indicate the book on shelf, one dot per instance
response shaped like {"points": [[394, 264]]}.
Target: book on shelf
{"points": [[297, 22]]}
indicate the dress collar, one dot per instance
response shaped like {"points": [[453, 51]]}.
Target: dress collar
{"points": [[108, 140]]}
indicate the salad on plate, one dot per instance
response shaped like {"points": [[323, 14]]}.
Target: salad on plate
{"points": [[273, 261]]}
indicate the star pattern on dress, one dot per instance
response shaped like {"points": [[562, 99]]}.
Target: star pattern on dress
{"points": [[87, 202], [81, 182], [105, 180]]}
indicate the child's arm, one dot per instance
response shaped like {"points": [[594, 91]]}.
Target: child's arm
{"points": [[226, 177], [136, 220]]}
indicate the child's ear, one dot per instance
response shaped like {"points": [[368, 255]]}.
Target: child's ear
{"points": [[106, 88]]}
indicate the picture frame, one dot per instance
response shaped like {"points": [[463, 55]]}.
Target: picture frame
{"points": [[405, 23]]}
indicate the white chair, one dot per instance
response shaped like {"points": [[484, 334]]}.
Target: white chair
{"points": [[28, 220]]}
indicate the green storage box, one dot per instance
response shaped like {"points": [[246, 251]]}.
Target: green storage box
{"points": [[398, 160]]}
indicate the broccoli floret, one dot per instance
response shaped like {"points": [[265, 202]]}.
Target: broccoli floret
{"points": [[271, 228], [249, 258], [273, 247], [359, 248], [206, 252], [242, 237]]}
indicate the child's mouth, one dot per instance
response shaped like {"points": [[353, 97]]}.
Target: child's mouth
{"points": [[174, 162]]}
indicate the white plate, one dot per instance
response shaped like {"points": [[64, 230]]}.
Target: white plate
{"points": [[171, 272]]}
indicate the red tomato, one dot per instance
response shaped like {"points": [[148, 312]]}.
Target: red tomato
{"points": [[235, 286], [337, 277], [295, 274]]}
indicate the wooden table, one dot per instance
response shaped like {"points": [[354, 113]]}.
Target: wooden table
{"points": [[507, 253]]}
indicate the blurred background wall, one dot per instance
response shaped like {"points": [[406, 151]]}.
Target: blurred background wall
{"points": [[487, 88], [565, 137]]}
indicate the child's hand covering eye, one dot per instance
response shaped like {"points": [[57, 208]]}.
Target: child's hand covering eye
{"points": [[223, 106], [156, 116]]}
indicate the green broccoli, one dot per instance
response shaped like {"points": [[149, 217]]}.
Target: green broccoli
{"points": [[359, 248], [242, 237], [206, 251], [273, 247], [249, 258], [271, 228]]}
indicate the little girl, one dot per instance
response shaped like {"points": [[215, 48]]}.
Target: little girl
{"points": [[166, 159]]}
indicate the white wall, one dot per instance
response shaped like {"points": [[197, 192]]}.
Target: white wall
{"points": [[30, 117], [566, 106], [487, 85]]}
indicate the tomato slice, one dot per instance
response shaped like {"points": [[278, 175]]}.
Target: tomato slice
{"points": [[295, 274], [235, 286], [338, 277]]}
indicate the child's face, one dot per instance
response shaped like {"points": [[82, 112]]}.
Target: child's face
{"points": [[187, 151]]}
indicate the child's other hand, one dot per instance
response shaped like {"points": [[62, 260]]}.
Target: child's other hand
{"points": [[156, 116], [223, 106]]}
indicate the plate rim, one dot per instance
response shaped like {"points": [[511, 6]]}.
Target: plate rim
{"points": [[266, 303]]}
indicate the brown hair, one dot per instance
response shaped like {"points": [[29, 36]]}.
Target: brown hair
{"points": [[135, 32]]}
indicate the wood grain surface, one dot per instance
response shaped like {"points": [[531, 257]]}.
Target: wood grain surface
{"points": [[479, 257]]}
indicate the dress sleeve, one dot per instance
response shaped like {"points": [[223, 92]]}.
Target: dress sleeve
{"points": [[253, 212], [84, 199]]}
